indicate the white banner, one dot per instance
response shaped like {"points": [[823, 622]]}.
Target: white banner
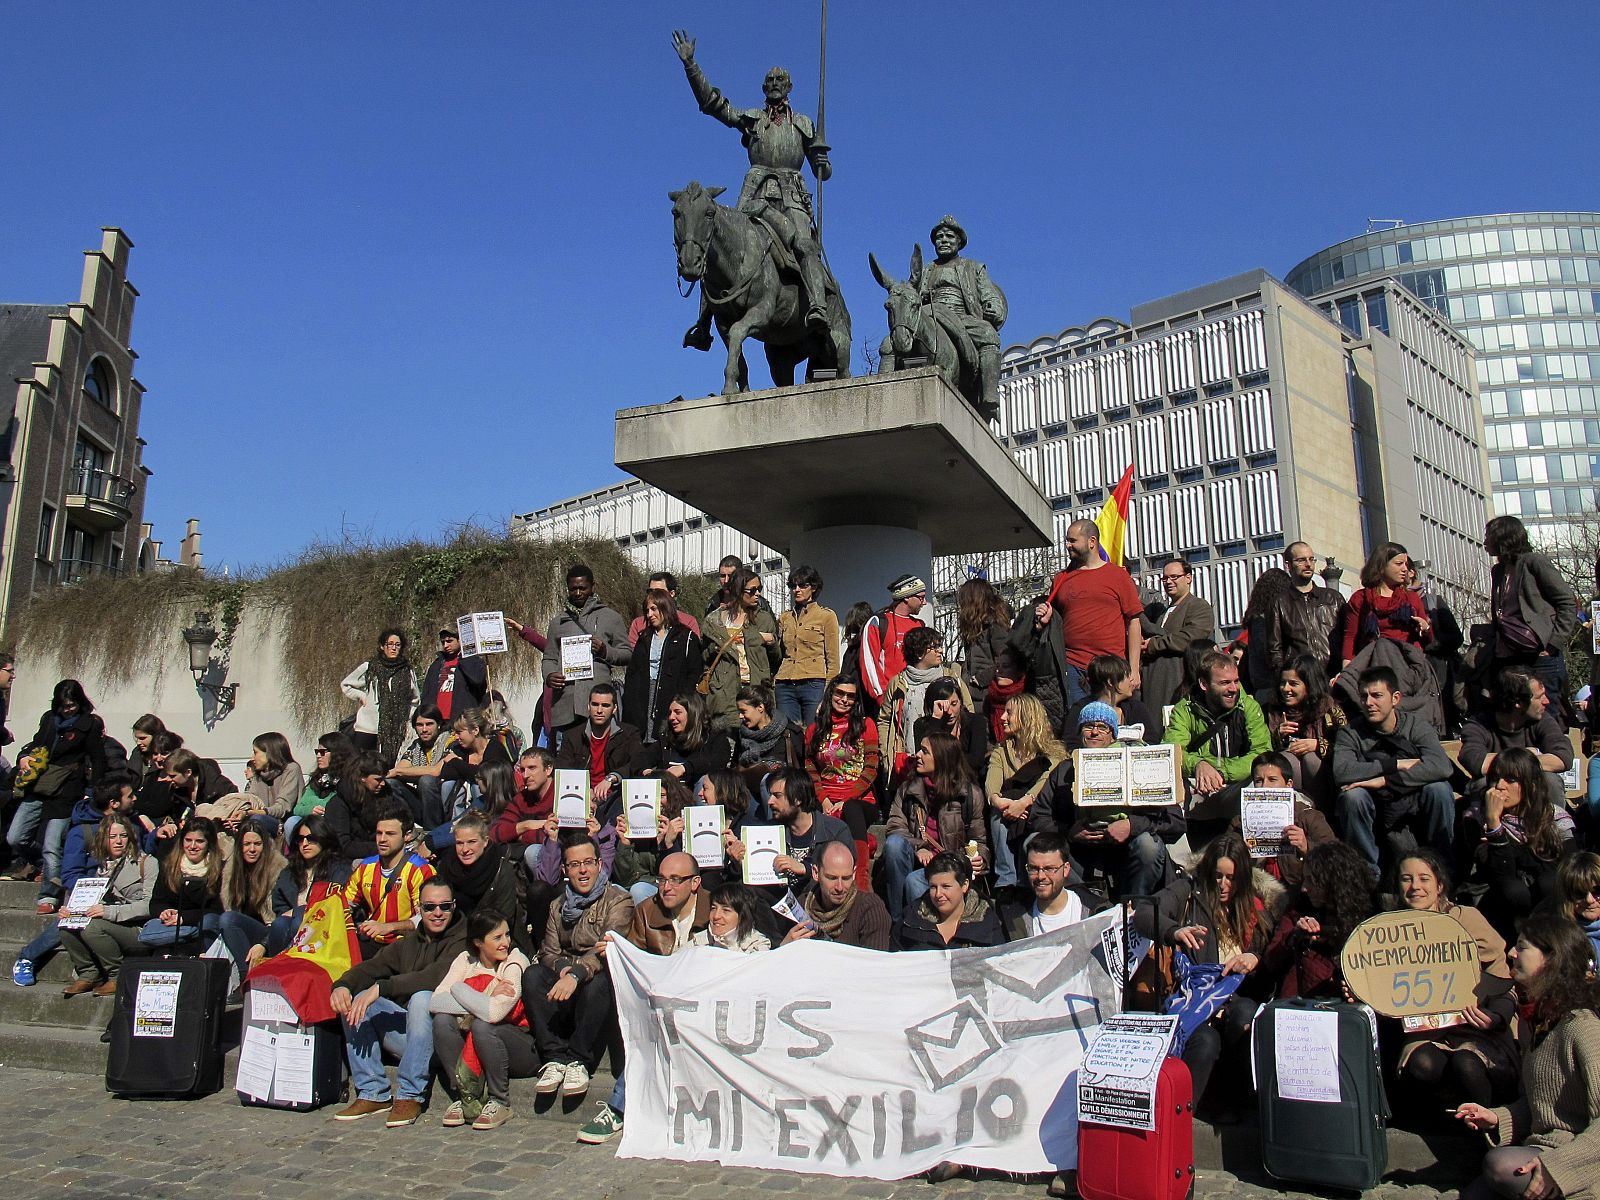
{"points": [[831, 1060]]}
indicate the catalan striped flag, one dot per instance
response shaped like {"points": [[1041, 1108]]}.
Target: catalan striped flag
{"points": [[1113, 519]]}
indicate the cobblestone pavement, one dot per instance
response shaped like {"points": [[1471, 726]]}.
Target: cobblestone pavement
{"points": [[62, 1135]]}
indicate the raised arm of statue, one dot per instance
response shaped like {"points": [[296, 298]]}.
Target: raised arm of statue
{"points": [[711, 101]]}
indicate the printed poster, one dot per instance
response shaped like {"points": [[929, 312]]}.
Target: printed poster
{"points": [[577, 656], [642, 800], [1264, 813], [1117, 1082], [482, 633], [572, 799], [703, 824], [763, 844]]}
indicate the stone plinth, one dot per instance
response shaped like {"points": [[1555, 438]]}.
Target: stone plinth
{"points": [[862, 478]]}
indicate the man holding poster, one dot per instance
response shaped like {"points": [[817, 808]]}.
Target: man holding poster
{"points": [[609, 750], [584, 614]]}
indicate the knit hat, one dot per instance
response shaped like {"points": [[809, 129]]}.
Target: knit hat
{"points": [[1098, 710], [905, 587]]}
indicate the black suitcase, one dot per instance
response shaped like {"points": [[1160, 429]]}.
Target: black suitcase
{"points": [[1335, 1141], [262, 1036], [166, 1028]]}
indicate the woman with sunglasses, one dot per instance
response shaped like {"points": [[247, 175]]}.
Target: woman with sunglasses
{"points": [[741, 646], [315, 869], [842, 760]]}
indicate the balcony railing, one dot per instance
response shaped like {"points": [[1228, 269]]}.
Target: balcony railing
{"points": [[75, 570], [102, 486]]}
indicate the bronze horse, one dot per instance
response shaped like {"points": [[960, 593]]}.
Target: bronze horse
{"points": [[915, 333], [733, 259]]}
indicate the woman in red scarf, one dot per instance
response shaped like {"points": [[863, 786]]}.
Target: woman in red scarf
{"points": [[842, 760]]}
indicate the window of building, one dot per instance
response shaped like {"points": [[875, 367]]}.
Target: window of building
{"points": [[99, 385], [88, 468], [47, 531]]}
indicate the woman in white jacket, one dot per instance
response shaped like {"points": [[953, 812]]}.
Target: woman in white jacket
{"points": [[386, 689], [97, 949], [481, 995]]}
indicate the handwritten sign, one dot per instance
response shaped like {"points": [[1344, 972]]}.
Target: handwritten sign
{"points": [[1307, 1046], [577, 656], [1264, 813], [1126, 776], [1117, 1082], [1409, 964]]}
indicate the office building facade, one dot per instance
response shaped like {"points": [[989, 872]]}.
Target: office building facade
{"points": [[1524, 289]]}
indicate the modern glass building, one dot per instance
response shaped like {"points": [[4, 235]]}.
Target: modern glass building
{"points": [[1524, 289]]}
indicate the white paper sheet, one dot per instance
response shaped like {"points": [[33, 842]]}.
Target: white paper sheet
{"points": [[1117, 1081], [255, 1064], [572, 799], [1101, 775], [1264, 813], [1307, 1045], [1153, 775], [267, 1006], [643, 800], [762, 846], [293, 1058], [86, 893], [577, 656], [155, 1004], [704, 824]]}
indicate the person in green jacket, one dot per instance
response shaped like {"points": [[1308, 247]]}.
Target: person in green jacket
{"points": [[1221, 731]]}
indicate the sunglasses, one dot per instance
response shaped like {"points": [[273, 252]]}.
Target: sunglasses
{"points": [[437, 906]]}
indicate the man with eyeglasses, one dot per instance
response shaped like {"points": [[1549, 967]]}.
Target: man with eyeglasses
{"points": [[1188, 618], [1055, 905], [663, 924], [383, 1003]]}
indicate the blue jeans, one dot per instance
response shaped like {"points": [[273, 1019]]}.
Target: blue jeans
{"points": [[1076, 681], [46, 944], [406, 1032], [1594, 796], [642, 891], [1429, 815], [1005, 866], [907, 882], [24, 824], [157, 936], [54, 842], [239, 932], [619, 1094], [798, 698]]}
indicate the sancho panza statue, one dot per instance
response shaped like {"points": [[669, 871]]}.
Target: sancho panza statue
{"points": [[779, 141]]}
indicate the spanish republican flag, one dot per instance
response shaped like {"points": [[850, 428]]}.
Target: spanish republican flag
{"points": [[1113, 519], [324, 948]]}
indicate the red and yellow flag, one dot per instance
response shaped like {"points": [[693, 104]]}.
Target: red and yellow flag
{"points": [[1113, 519], [324, 948]]}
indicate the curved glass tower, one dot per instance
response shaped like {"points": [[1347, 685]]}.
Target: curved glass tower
{"points": [[1524, 289]]}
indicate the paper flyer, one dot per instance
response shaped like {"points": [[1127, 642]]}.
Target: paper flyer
{"points": [[1153, 774], [482, 633], [642, 799], [703, 824], [155, 1004], [86, 893], [1117, 1081], [1264, 813], [763, 844], [577, 656], [1100, 774], [572, 799]]}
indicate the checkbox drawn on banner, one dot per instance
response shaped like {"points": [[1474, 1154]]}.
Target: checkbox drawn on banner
{"points": [[952, 1044]]}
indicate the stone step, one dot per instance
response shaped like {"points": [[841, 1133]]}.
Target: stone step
{"points": [[15, 893], [78, 1051], [43, 1005], [18, 927]]}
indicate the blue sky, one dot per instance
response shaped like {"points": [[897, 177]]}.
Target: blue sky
{"points": [[399, 262]]}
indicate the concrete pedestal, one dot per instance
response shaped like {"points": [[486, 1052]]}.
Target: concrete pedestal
{"points": [[864, 479]]}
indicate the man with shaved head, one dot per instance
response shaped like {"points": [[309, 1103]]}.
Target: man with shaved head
{"points": [[839, 911], [663, 924], [1098, 608]]}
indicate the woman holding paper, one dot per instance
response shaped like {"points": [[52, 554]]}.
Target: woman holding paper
{"points": [[1019, 769], [1475, 1059], [1547, 1143], [112, 928]]}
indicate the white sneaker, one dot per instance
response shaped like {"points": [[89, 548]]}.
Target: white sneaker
{"points": [[575, 1081], [550, 1078]]}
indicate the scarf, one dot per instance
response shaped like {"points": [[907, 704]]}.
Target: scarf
{"points": [[1592, 929], [469, 882], [829, 920], [995, 701], [390, 683], [762, 745], [917, 681], [574, 905]]}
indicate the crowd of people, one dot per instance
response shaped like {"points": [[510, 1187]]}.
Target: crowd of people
{"points": [[927, 795]]}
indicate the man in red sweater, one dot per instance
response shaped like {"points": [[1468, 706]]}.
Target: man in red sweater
{"points": [[883, 640], [1099, 609]]}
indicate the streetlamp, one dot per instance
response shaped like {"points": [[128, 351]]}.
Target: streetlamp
{"points": [[200, 637]]}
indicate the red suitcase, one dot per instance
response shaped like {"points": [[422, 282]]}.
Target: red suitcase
{"points": [[1130, 1164]]}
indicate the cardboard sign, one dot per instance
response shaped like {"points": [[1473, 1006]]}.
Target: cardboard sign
{"points": [[572, 799], [703, 824], [1594, 629], [1126, 776], [642, 800], [482, 633], [1264, 813], [1411, 964]]}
